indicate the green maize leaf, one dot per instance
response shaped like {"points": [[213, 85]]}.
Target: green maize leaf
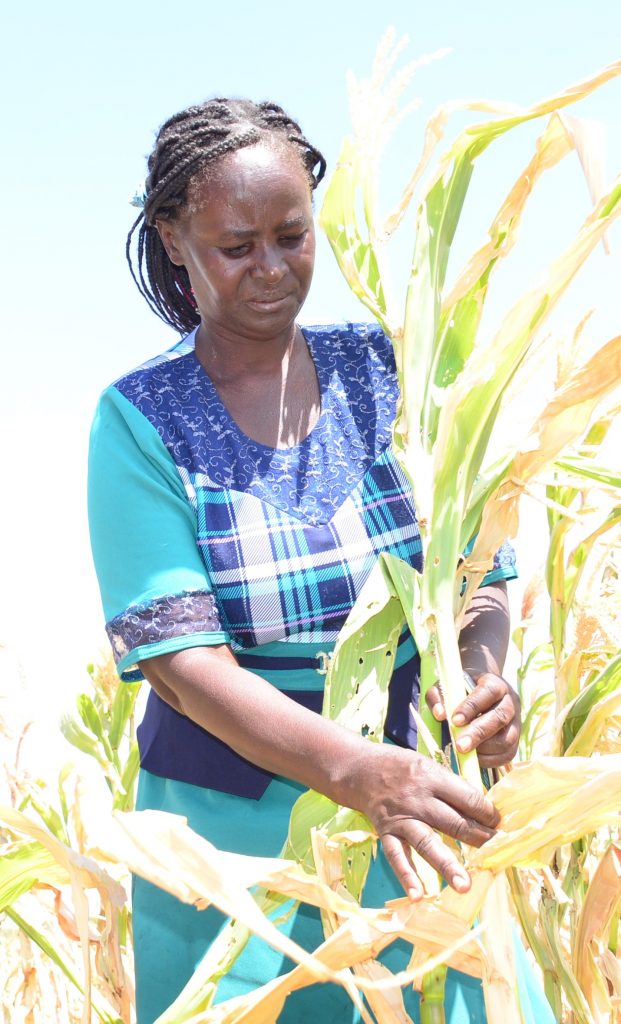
{"points": [[473, 399], [533, 723], [85, 742], [461, 310], [122, 709], [356, 691], [578, 557], [124, 798], [24, 867], [90, 715], [63, 775], [46, 946], [50, 817], [355, 696], [356, 258], [583, 469], [315, 811], [587, 714]]}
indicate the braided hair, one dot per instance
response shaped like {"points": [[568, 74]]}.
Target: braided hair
{"points": [[185, 145]]}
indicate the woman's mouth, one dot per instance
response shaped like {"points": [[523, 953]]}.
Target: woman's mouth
{"points": [[269, 303]]}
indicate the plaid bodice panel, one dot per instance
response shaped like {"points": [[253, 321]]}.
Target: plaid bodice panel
{"points": [[288, 537]]}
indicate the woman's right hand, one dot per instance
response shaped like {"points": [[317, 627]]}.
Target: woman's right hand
{"points": [[407, 797]]}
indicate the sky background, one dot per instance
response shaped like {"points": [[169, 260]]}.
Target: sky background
{"points": [[84, 89]]}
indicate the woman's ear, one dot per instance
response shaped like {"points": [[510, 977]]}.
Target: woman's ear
{"points": [[168, 232]]}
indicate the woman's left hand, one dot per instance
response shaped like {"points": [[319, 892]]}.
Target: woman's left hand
{"points": [[488, 719]]}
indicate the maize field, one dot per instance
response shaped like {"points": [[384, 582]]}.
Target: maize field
{"points": [[554, 866]]}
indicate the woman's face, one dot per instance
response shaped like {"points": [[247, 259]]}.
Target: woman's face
{"points": [[248, 243]]}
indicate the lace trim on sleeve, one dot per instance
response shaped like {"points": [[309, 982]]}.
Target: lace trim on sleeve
{"points": [[164, 618]]}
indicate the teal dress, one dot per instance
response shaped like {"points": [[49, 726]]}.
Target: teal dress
{"points": [[202, 536]]}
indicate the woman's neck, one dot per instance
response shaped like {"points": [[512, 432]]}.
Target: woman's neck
{"points": [[229, 361], [272, 394]]}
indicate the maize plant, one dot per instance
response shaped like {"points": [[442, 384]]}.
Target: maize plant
{"points": [[555, 848], [63, 909]]}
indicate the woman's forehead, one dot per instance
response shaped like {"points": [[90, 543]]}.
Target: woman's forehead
{"points": [[252, 178]]}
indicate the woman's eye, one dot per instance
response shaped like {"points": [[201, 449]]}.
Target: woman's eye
{"points": [[235, 251], [292, 240]]}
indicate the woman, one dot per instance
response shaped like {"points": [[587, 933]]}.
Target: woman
{"points": [[241, 487]]}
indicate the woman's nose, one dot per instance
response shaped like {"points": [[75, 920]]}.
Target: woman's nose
{"points": [[269, 263]]}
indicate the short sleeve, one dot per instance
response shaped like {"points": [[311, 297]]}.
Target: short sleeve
{"points": [[155, 589], [504, 567]]}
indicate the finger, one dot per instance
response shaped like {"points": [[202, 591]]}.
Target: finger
{"points": [[489, 690], [435, 703], [398, 856], [459, 826], [431, 848], [501, 749], [487, 725], [448, 788]]}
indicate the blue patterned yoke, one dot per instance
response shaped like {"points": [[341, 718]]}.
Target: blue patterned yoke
{"points": [[203, 536]]}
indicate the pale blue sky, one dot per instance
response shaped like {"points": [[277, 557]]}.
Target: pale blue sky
{"points": [[85, 87]]}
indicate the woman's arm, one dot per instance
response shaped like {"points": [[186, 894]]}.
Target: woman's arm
{"points": [[491, 713], [406, 796]]}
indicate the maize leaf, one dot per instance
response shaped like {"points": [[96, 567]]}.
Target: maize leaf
{"points": [[122, 709], [50, 950], [549, 802], [580, 469], [22, 868], [327, 859], [344, 946], [589, 713], [564, 419], [597, 912], [82, 873]]}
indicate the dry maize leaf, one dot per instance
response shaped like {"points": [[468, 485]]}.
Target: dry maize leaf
{"points": [[600, 905], [354, 941], [565, 418], [547, 803], [83, 874], [387, 1007], [500, 987], [161, 848], [461, 907], [590, 142], [387, 1004], [611, 969], [552, 145]]}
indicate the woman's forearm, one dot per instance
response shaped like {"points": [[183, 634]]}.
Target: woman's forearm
{"points": [[258, 721], [484, 637]]}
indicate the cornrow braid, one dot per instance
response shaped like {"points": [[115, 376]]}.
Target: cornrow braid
{"points": [[184, 146]]}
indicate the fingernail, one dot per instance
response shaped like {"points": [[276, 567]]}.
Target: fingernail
{"points": [[438, 711], [459, 718], [414, 895], [464, 743], [461, 882]]}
